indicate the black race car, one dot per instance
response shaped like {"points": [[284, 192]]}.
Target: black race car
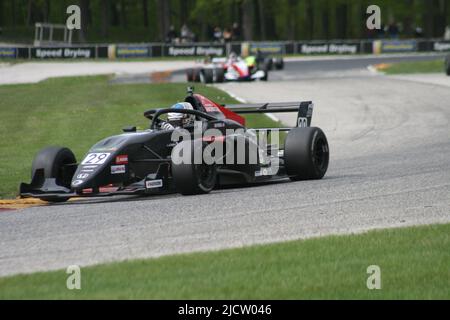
{"points": [[152, 161]]}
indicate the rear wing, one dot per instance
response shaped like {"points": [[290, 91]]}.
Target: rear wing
{"points": [[303, 109]]}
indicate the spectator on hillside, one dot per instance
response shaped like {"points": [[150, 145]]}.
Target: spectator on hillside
{"points": [[217, 35], [372, 33], [418, 32], [393, 30], [227, 35], [171, 35], [193, 37], [236, 32], [187, 35], [381, 32]]}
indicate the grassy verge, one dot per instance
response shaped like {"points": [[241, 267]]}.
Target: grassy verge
{"points": [[414, 264], [76, 113], [434, 66]]}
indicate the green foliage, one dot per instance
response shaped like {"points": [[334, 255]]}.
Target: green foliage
{"points": [[272, 20], [413, 261]]}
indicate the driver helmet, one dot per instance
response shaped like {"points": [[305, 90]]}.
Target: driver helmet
{"points": [[180, 119]]}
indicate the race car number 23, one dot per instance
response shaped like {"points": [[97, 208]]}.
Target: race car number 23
{"points": [[96, 158]]}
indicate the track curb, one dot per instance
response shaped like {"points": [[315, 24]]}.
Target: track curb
{"points": [[19, 203]]}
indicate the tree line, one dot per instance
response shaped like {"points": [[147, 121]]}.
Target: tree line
{"points": [[151, 20]]}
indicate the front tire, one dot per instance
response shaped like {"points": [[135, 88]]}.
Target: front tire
{"points": [[191, 178], [55, 161], [306, 154]]}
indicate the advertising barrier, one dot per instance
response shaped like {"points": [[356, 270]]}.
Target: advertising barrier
{"points": [[8, 52], [440, 46], [148, 50], [157, 50], [63, 53], [329, 48], [102, 51], [394, 46], [272, 48], [23, 53], [129, 51], [194, 50], [289, 48]]}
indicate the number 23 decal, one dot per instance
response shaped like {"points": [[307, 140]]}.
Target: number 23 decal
{"points": [[96, 158]]}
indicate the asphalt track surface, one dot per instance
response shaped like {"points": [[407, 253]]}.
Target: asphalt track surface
{"points": [[389, 167], [323, 67]]}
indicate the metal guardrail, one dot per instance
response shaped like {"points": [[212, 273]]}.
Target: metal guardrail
{"points": [[41, 39]]}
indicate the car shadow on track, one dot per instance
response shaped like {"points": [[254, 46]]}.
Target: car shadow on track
{"points": [[229, 189]]}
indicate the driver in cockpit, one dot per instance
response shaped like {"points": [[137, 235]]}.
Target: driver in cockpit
{"points": [[179, 120]]}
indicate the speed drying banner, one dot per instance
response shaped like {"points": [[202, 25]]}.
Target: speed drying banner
{"points": [[63, 53], [329, 48], [441, 46], [194, 50]]}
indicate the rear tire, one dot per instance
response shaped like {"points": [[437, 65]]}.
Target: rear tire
{"points": [[220, 75], [269, 63], [207, 75], [279, 63], [447, 65], [266, 69], [306, 154], [54, 161], [190, 178], [190, 75], [196, 75]]}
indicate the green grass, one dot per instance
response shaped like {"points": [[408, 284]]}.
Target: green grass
{"points": [[76, 113], [434, 66], [414, 262]]}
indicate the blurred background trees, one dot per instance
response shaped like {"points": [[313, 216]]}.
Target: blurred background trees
{"points": [[151, 20]]}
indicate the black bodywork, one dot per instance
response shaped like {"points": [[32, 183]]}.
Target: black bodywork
{"points": [[139, 162]]}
